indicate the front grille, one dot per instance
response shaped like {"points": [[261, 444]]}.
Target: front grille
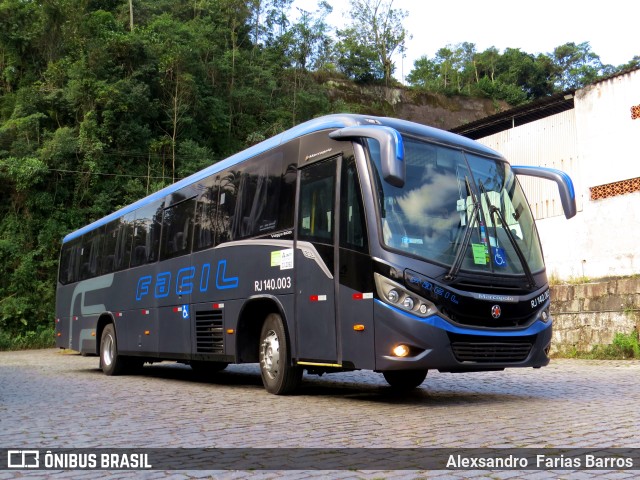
{"points": [[209, 332], [467, 348]]}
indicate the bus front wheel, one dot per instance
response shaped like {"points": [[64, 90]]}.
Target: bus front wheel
{"points": [[405, 379], [278, 375]]}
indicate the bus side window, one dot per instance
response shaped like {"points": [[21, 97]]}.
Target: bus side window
{"points": [[70, 261], [177, 225], [206, 211], [146, 234], [226, 205], [124, 240], [353, 232], [315, 220], [90, 254], [107, 259]]}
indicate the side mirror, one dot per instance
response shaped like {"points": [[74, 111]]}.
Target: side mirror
{"points": [[565, 185], [391, 149]]}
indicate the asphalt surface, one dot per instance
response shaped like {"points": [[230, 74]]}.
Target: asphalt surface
{"points": [[51, 399]]}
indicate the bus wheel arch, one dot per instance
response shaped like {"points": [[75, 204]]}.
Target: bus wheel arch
{"points": [[250, 320], [105, 319]]}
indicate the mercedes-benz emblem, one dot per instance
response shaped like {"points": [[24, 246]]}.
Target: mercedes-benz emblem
{"points": [[496, 311]]}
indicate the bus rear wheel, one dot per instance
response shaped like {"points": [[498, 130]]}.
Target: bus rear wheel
{"points": [[405, 379], [278, 376], [111, 362]]}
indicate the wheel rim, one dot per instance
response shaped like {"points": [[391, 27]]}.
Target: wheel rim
{"points": [[108, 350], [270, 354]]}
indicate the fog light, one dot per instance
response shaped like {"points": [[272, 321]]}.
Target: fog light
{"points": [[393, 296], [401, 350], [408, 303]]}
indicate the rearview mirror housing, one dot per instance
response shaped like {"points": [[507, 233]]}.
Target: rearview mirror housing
{"points": [[391, 149], [564, 182]]}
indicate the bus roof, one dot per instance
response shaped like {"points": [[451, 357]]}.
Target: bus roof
{"points": [[311, 126]]}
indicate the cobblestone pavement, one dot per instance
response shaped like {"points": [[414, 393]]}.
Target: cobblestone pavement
{"points": [[53, 399]]}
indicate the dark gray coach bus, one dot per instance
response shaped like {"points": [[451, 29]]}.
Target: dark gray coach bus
{"points": [[348, 242]]}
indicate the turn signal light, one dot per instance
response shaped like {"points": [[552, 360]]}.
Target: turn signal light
{"points": [[358, 327]]}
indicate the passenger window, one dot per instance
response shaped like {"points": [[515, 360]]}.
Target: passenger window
{"points": [[107, 259], [206, 213], [226, 206], [146, 234], [177, 226], [70, 261], [90, 255], [124, 240]]}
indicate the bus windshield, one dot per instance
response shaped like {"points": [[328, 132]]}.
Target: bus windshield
{"points": [[458, 207]]}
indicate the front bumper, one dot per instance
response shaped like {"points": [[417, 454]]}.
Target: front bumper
{"points": [[436, 343]]}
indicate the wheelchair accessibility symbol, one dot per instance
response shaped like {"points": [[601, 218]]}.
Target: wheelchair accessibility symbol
{"points": [[185, 311], [499, 257]]}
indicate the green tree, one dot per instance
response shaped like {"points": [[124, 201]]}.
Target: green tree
{"points": [[576, 65], [378, 35]]}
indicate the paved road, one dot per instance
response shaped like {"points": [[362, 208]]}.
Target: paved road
{"points": [[52, 399]]}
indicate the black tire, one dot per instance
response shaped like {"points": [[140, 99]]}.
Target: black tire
{"points": [[278, 375], [111, 362], [405, 379], [206, 368]]}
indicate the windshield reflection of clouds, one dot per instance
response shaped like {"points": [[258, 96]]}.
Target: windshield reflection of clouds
{"points": [[429, 205]]}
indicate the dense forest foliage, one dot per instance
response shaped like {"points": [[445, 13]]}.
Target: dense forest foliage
{"points": [[105, 101]]}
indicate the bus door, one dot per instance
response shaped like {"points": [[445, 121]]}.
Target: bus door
{"points": [[315, 265]]}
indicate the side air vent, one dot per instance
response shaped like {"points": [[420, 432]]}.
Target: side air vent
{"points": [[209, 332], [490, 349]]}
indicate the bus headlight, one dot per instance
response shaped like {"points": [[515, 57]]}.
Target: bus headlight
{"points": [[408, 303], [395, 294]]}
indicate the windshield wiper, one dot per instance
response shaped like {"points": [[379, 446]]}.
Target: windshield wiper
{"points": [[493, 210], [457, 261]]}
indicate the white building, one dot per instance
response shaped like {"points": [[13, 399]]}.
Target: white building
{"points": [[593, 134]]}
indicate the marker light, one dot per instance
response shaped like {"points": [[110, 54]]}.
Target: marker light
{"points": [[393, 296], [400, 350], [358, 327]]}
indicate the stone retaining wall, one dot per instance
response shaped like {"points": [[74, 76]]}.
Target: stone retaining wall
{"points": [[591, 314]]}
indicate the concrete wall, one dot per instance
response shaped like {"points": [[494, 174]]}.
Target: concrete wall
{"points": [[592, 313]]}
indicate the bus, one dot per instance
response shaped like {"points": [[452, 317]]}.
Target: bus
{"points": [[348, 242]]}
